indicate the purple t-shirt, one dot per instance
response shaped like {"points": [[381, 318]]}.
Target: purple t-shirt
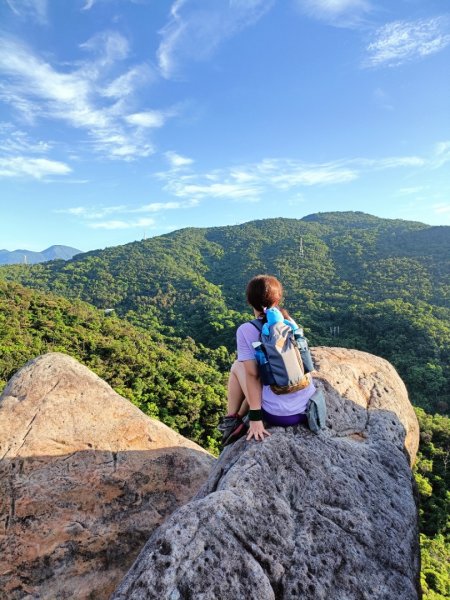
{"points": [[282, 404]]}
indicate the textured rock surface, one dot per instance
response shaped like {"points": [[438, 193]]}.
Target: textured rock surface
{"points": [[373, 388], [329, 517], [85, 478]]}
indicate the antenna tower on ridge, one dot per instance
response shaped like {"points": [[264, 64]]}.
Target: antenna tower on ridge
{"points": [[301, 250]]}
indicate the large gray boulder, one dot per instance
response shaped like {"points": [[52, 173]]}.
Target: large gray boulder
{"points": [[85, 478], [329, 517]]}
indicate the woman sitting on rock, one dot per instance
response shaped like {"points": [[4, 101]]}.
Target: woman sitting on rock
{"points": [[245, 390]]}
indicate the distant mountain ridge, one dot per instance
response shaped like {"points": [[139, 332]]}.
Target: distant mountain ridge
{"points": [[20, 256]]}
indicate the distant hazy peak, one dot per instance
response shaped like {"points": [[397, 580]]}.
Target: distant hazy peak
{"points": [[28, 256]]}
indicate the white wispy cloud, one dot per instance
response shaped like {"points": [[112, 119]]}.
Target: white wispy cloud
{"points": [[441, 154], [177, 160], [95, 217], [402, 41], [110, 46], [90, 3], [242, 176], [92, 212], [412, 190], [196, 29], [34, 9], [76, 210], [287, 174], [15, 141], [152, 118], [37, 168], [391, 162], [21, 105], [342, 13], [216, 190], [122, 224], [154, 207], [18, 157], [90, 97], [249, 182], [126, 83]]}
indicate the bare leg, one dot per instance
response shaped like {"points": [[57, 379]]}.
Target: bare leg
{"points": [[237, 390]]}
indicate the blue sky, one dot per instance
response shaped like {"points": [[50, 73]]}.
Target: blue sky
{"points": [[125, 118]]}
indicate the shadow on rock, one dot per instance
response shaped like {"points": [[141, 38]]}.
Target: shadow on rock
{"points": [[71, 525], [85, 478]]}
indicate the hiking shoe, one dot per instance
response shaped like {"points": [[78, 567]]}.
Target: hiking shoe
{"points": [[232, 427]]}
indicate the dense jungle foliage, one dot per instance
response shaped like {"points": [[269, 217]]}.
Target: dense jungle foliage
{"points": [[173, 380], [373, 284], [433, 480]]}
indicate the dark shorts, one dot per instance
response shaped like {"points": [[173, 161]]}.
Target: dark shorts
{"points": [[285, 420]]}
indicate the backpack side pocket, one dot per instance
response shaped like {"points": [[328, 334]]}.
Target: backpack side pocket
{"points": [[316, 411]]}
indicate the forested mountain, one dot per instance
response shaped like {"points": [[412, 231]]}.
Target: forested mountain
{"points": [[351, 279], [30, 257]]}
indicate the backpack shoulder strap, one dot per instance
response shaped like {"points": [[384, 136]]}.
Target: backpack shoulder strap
{"points": [[257, 323]]}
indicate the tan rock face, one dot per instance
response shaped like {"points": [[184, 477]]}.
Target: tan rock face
{"points": [[85, 478], [371, 383]]}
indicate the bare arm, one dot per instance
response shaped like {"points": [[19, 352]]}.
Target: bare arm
{"points": [[254, 389]]}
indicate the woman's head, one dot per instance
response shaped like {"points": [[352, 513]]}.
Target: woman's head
{"points": [[264, 291]]}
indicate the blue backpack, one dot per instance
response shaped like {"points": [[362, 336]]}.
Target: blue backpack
{"points": [[284, 362], [283, 356]]}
